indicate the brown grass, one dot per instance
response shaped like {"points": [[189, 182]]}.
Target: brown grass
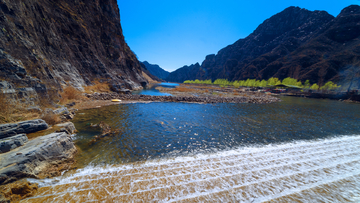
{"points": [[51, 118], [71, 93], [13, 111], [184, 89], [5, 107], [97, 87]]}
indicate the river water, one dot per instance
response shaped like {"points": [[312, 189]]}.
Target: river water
{"points": [[154, 92], [304, 150]]}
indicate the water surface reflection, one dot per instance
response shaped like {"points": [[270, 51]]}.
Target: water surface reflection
{"points": [[157, 130]]}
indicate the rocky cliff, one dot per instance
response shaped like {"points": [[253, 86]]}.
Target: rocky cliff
{"points": [[294, 43], [48, 44], [330, 55]]}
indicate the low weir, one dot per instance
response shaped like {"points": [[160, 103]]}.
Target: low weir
{"points": [[322, 170]]}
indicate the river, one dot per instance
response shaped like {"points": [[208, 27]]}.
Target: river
{"points": [[296, 150]]}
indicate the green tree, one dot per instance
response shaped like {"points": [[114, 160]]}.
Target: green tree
{"points": [[263, 83], [289, 81], [274, 81], [329, 86], [314, 87]]}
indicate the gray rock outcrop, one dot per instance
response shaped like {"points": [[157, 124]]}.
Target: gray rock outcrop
{"points": [[13, 142], [12, 129], [67, 127], [36, 157]]}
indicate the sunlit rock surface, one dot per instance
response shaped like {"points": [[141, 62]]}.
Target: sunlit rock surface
{"points": [[36, 157], [46, 44], [10, 143], [12, 129]]}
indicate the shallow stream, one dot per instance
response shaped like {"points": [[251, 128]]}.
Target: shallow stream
{"points": [[304, 150]]}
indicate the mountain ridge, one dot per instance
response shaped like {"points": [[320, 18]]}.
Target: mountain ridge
{"points": [[263, 53], [156, 70]]}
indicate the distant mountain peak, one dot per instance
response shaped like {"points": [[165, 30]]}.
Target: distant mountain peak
{"points": [[352, 9], [296, 42], [156, 70]]}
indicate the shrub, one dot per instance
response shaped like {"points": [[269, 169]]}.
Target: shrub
{"points": [[6, 108], [14, 111], [51, 118], [314, 87], [98, 87], [71, 93]]}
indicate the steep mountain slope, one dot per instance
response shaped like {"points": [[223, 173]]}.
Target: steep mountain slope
{"points": [[184, 73], [47, 44], [335, 49], [150, 77], [293, 43], [156, 70]]}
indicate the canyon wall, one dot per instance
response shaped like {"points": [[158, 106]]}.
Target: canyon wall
{"points": [[46, 45]]}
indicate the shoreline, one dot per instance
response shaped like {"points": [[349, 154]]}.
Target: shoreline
{"points": [[53, 136], [190, 96]]}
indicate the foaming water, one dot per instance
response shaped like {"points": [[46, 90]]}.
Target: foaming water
{"points": [[322, 170]]}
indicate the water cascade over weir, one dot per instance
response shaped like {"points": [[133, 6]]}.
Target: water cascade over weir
{"points": [[324, 170]]}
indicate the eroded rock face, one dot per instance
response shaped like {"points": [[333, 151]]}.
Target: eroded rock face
{"points": [[31, 126], [46, 44], [37, 158]]}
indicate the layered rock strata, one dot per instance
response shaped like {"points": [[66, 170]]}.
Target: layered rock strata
{"points": [[12, 129]]}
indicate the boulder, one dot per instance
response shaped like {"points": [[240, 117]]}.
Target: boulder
{"points": [[13, 142], [65, 113], [63, 110], [67, 127], [36, 157], [12, 129], [70, 104]]}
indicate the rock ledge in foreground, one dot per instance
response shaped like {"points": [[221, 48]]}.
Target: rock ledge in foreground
{"points": [[36, 157], [13, 142], [12, 129]]}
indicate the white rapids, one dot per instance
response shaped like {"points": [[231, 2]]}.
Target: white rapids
{"points": [[304, 171]]}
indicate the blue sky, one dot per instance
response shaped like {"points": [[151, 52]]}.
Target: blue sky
{"points": [[174, 33]]}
